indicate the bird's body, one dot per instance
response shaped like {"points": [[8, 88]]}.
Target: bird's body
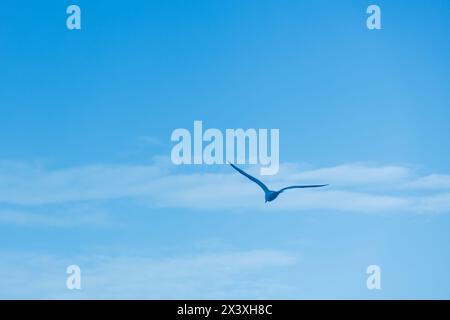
{"points": [[270, 195]]}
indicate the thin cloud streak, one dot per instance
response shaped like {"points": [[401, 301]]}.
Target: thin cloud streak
{"points": [[353, 188], [218, 275]]}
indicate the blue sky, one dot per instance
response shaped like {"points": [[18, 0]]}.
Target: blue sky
{"points": [[86, 119]]}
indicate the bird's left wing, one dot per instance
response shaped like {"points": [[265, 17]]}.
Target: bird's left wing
{"points": [[306, 186], [258, 182]]}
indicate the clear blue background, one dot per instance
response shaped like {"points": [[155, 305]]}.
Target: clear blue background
{"points": [[339, 93]]}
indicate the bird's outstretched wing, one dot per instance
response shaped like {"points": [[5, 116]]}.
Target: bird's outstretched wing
{"points": [[259, 183], [307, 186]]}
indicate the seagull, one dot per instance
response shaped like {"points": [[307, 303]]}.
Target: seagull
{"points": [[271, 195]]}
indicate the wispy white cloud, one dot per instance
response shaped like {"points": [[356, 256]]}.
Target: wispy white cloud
{"points": [[74, 216], [35, 186], [432, 181], [222, 275], [356, 188], [150, 140], [355, 175]]}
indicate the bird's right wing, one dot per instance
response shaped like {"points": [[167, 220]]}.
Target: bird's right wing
{"points": [[301, 187], [259, 183]]}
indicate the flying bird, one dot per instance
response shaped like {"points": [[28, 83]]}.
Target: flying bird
{"points": [[271, 195]]}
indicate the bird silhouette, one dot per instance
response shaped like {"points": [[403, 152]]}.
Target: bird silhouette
{"points": [[271, 195]]}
